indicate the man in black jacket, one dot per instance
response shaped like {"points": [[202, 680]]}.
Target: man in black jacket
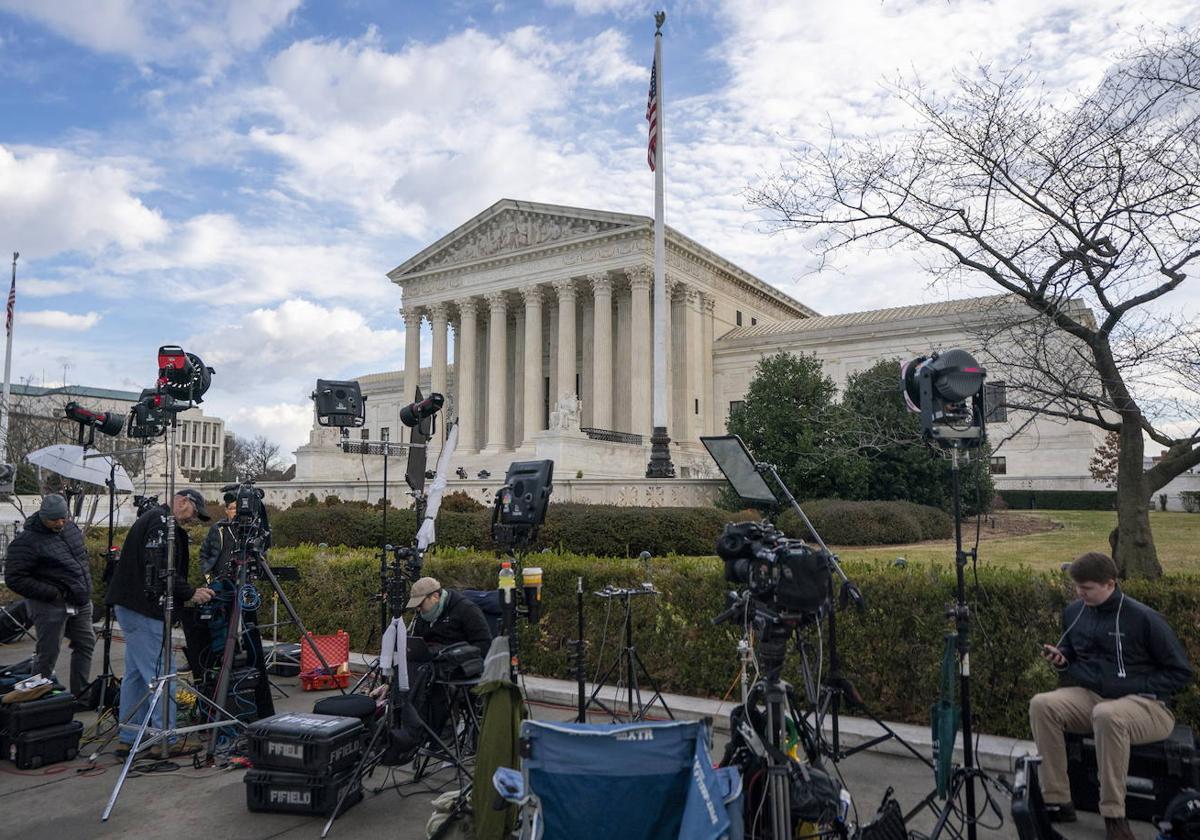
{"points": [[48, 564], [1120, 663], [140, 612], [445, 617]]}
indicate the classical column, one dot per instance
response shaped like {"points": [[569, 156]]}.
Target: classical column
{"points": [[497, 402], [533, 362], [693, 371], [708, 409], [412, 350], [640, 280], [566, 338], [677, 359], [517, 408], [438, 319], [602, 329], [467, 409]]}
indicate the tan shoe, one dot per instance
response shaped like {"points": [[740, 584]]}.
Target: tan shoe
{"points": [[1117, 828]]}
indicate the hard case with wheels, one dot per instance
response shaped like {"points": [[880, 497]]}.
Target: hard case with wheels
{"points": [[306, 743]]}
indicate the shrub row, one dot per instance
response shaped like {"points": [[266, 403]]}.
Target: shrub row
{"points": [[891, 650], [604, 530], [869, 523], [611, 531], [1060, 499]]}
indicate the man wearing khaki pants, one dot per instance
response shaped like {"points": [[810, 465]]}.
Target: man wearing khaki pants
{"points": [[1120, 663]]}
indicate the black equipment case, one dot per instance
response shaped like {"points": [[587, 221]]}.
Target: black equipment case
{"points": [[1157, 772], [300, 793], [48, 710], [306, 743], [10, 675], [242, 698], [48, 745]]}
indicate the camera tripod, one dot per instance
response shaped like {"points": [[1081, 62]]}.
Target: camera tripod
{"points": [[628, 661], [964, 776]]}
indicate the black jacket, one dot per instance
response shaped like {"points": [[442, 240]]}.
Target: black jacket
{"points": [[217, 547], [1122, 647], [460, 621], [146, 544], [46, 566]]}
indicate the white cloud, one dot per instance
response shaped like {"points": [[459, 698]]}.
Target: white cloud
{"points": [[38, 287], [52, 200], [268, 360], [161, 31], [284, 423], [58, 320], [602, 7]]}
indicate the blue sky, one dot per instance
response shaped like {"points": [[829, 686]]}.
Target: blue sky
{"points": [[238, 175]]}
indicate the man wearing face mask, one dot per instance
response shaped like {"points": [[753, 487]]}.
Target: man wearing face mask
{"points": [[48, 564], [445, 617], [1120, 663]]}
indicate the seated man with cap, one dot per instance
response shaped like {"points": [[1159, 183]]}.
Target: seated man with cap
{"points": [[444, 618]]}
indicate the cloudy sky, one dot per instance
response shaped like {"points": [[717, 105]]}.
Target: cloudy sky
{"points": [[237, 176]]}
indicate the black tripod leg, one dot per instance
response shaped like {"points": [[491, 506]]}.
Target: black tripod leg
{"points": [[653, 684], [291, 611], [360, 770]]}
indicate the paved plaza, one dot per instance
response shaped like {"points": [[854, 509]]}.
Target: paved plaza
{"points": [[64, 801]]}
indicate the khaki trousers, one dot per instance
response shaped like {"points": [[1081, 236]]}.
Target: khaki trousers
{"points": [[1115, 724]]}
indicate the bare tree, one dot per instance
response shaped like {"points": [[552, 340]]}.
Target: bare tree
{"points": [[1084, 212], [262, 459]]}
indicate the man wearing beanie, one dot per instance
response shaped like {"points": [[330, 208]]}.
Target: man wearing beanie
{"points": [[48, 564]]}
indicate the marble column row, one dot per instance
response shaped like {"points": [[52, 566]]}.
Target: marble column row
{"points": [[541, 341]]}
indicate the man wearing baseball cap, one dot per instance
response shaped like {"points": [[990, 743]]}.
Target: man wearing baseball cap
{"points": [[445, 617], [140, 612]]}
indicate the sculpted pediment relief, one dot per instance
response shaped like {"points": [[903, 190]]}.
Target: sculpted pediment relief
{"points": [[511, 231]]}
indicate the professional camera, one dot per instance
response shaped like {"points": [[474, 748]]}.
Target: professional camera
{"points": [[144, 503], [784, 575], [250, 523]]}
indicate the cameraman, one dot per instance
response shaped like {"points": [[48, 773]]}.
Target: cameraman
{"points": [[215, 554], [48, 564], [1121, 663], [139, 612], [445, 617]]}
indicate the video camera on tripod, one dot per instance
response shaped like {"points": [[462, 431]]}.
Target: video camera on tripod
{"points": [[786, 576]]}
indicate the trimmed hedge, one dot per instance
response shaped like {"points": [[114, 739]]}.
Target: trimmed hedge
{"points": [[869, 523], [1060, 499], [891, 650], [602, 530]]}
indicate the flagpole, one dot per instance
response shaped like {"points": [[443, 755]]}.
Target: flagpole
{"points": [[660, 465], [8, 363]]}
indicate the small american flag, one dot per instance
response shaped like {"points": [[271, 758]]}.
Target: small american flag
{"points": [[652, 116]]}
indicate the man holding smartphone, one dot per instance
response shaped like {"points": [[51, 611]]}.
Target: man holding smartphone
{"points": [[47, 563], [1120, 663]]}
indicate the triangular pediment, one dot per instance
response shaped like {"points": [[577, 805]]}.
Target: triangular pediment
{"points": [[510, 227]]}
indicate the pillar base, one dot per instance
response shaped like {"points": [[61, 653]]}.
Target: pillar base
{"points": [[660, 465]]}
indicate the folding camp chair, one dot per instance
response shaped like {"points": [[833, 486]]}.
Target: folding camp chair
{"points": [[636, 781]]}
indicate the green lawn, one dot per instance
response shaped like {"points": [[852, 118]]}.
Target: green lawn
{"points": [[1176, 535]]}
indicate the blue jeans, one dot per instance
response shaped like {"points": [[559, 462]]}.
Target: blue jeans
{"points": [[143, 662]]}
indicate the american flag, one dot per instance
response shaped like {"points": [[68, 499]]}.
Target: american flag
{"points": [[652, 116], [12, 304]]}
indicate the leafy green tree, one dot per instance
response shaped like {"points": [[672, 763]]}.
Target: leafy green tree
{"points": [[789, 418], [888, 436]]}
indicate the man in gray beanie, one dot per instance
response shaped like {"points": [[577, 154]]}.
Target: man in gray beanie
{"points": [[48, 564]]}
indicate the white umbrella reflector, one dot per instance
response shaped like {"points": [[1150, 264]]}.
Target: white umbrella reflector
{"points": [[69, 461]]}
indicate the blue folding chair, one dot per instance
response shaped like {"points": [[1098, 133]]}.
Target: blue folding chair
{"points": [[636, 781]]}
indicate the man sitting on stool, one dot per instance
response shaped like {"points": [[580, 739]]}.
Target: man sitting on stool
{"points": [[1121, 663]]}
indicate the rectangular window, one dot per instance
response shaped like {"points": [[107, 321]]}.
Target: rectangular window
{"points": [[754, 322], [995, 395], [385, 433], [366, 433], [734, 404], [999, 465], [739, 317], [697, 406]]}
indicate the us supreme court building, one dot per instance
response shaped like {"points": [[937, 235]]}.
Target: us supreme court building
{"points": [[539, 333]]}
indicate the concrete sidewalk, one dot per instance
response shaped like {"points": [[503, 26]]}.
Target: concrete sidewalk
{"points": [[64, 801]]}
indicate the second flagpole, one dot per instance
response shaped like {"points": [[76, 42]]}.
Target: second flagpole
{"points": [[660, 465]]}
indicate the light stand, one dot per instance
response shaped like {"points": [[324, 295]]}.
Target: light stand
{"points": [[162, 686], [629, 661]]}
